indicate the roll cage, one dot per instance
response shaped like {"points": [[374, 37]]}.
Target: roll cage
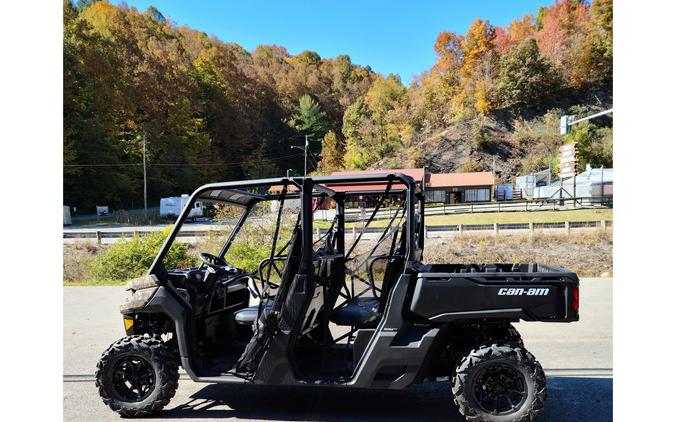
{"points": [[311, 281], [246, 194]]}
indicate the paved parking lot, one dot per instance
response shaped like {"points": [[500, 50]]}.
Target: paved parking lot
{"points": [[577, 359]]}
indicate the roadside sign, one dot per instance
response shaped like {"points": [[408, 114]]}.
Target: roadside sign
{"points": [[567, 171], [568, 161], [565, 124], [568, 148], [102, 210]]}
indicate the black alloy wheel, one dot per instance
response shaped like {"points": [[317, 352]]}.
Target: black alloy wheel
{"points": [[500, 388], [133, 378], [138, 375]]}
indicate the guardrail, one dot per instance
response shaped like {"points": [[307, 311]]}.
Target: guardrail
{"points": [[429, 231], [497, 228]]}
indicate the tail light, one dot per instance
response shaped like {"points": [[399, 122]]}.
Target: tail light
{"points": [[575, 299]]}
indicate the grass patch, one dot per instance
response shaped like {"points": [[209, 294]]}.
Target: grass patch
{"points": [[512, 217], [94, 283], [588, 254], [505, 217]]}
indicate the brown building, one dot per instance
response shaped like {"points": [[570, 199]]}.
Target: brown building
{"points": [[453, 188], [447, 188]]}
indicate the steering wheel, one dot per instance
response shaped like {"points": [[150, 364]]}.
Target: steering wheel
{"points": [[214, 262]]}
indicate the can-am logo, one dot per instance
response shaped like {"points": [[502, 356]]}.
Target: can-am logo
{"points": [[522, 292]]}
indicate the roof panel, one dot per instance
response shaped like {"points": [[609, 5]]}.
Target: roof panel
{"points": [[416, 173], [447, 180]]}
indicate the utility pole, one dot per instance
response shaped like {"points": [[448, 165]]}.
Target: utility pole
{"points": [[145, 181], [306, 151], [602, 185]]}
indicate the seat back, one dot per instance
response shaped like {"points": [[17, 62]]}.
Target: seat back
{"points": [[291, 267], [393, 270]]}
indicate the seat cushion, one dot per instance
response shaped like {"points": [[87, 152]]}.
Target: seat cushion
{"points": [[358, 312], [247, 316]]}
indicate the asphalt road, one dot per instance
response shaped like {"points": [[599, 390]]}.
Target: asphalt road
{"points": [[577, 359]]}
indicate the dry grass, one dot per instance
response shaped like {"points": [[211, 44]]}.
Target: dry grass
{"points": [[589, 254], [75, 260]]}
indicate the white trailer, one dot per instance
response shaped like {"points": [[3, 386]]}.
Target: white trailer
{"points": [[170, 208], [66, 216]]}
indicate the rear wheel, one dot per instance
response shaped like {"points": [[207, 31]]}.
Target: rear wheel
{"points": [[137, 376], [499, 382]]}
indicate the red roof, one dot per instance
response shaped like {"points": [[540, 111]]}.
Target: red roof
{"points": [[415, 173], [447, 180], [441, 180]]}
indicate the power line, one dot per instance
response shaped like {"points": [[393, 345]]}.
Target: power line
{"points": [[221, 164], [102, 165]]}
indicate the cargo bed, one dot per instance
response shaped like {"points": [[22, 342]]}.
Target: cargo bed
{"points": [[529, 292]]}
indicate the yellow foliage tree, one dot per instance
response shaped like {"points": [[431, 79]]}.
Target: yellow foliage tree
{"points": [[478, 42]]}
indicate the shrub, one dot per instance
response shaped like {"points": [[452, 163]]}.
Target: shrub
{"points": [[127, 259], [254, 241]]}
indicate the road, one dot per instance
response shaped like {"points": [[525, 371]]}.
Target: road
{"points": [[577, 359]]}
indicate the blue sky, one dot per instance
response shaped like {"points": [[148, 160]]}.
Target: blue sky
{"points": [[391, 36]]}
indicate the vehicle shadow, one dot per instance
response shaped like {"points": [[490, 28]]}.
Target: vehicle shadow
{"points": [[569, 399]]}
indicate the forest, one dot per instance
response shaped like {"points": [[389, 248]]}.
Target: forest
{"points": [[209, 110]]}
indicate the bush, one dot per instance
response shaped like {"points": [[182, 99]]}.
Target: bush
{"points": [[127, 259], [254, 241]]}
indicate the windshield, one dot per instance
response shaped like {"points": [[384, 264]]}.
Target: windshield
{"points": [[253, 242], [243, 237]]}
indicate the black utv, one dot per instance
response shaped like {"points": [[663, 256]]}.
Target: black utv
{"points": [[337, 302]]}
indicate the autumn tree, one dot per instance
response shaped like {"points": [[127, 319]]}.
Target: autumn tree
{"points": [[514, 33], [332, 152], [449, 53], [563, 29], [479, 66], [378, 124], [594, 64], [478, 42], [526, 79]]}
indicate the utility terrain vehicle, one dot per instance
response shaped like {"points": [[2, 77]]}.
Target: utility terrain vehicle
{"points": [[334, 303]]}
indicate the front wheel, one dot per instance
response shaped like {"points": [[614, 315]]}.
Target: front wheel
{"points": [[137, 376], [499, 382]]}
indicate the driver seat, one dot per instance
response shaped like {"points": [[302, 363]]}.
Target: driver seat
{"points": [[365, 311], [248, 316]]}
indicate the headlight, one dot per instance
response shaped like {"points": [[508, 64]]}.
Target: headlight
{"points": [[138, 299], [140, 283]]}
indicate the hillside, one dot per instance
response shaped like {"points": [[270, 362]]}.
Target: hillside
{"points": [[510, 146], [208, 109]]}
